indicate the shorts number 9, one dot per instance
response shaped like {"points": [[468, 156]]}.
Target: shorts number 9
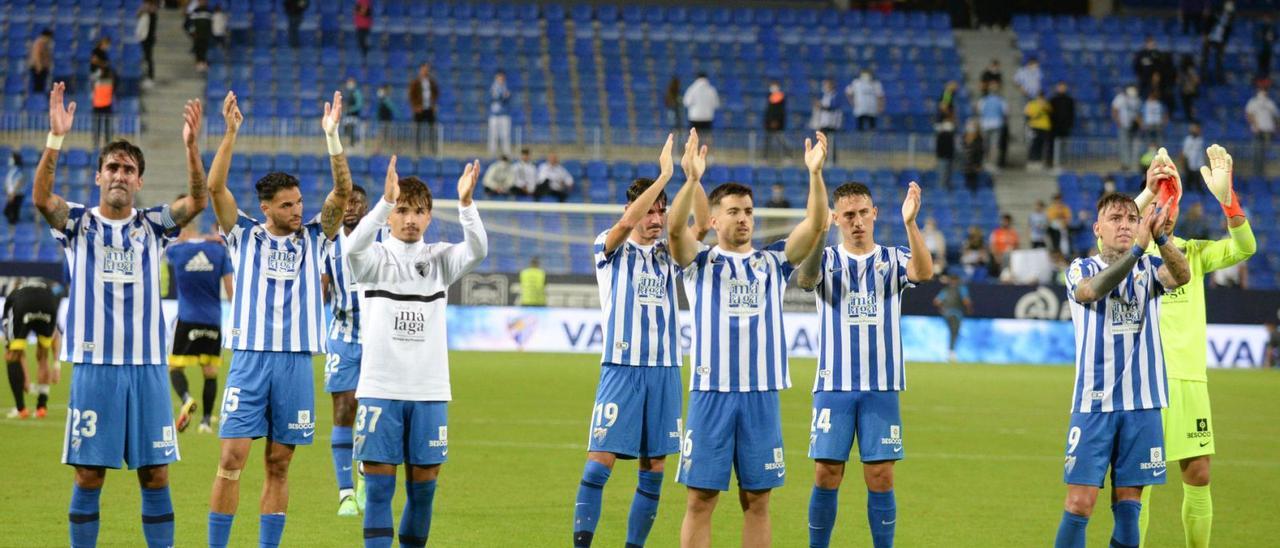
{"points": [[1073, 439]]}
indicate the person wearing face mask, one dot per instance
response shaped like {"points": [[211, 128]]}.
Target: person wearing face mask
{"points": [[353, 104], [1262, 115], [1125, 108], [775, 122], [829, 116], [386, 116], [867, 97]]}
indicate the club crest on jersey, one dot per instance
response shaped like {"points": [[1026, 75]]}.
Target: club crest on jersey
{"points": [[756, 262], [746, 298], [119, 265], [1126, 317], [863, 308], [281, 264], [650, 289]]}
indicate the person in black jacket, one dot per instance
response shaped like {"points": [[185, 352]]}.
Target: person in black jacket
{"points": [[294, 9], [1063, 117], [775, 122]]}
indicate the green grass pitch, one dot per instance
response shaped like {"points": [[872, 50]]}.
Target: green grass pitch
{"points": [[983, 443]]}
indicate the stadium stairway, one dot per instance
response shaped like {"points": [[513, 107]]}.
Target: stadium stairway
{"points": [[176, 82], [977, 48], [1017, 192]]}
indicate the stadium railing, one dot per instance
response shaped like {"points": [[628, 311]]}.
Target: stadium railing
{"points": [[1084, 153]]}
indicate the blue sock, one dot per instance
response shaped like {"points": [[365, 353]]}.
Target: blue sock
{"points": [[822, 516], [341, 447], [586, 511], [882, 514], [83, 516], [1071, 531], [379, 490], [415, 523], [270, 530], [644, 508], [157, 517], [1126, 516], [220, 529]]}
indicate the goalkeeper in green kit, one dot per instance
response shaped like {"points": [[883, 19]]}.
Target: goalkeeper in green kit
{"points": [[1188, 424]]}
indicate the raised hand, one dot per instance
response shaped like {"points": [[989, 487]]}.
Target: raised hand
{"points": [[1159, 220], [467, 182], [694, 160], [332, 114], [665, 163], [231, 113], [1162, 168], [193, 115], [60, 117], [391, 192], [911, 205], [1217, 175], [815, 155]]}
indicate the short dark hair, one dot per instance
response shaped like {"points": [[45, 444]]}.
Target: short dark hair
{"points": [[415, 192], [729, 189], [121, 146], [357, 189], [272, 183], [640, 185], [852, 189], [1115, 198]]}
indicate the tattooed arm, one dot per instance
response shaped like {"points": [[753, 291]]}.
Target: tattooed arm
{"points": [[51, 206], [336, 202], [188, 207]]}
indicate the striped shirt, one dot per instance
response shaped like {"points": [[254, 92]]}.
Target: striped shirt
{"points": [[860, 306], [1119, 360], [278, 305], [738, 340], [345, 299], [638, 298], [113, 308]]}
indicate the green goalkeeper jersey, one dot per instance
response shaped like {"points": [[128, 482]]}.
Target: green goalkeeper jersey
{"points": [[1183, 327]]}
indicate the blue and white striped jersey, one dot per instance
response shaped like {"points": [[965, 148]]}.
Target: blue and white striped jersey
{"points": [[278, 305], [344, 302], [738, 340], [638, 297], [113, 311], [1119, 360], [860, 306]]}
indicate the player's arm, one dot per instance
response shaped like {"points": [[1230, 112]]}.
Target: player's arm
{"points": [[1162, 168], [810, 269], [359, 242], [1242, 244], [461, 258], [920, 267], [224, 204], [326, 283], [1094, 288], [1176, 271], [229, 285], [804, 236], [640, 206], [184, 209], [336, 202], [51, 206], [684, 240], [701, 213]]}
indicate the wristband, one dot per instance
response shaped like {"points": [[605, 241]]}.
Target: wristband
{"points": [[1232, 209], [1160, 241], [334, 142], [54, 141], [1137, 251], [1144, 198]]}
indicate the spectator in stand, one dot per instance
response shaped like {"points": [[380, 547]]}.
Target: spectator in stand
{"points": [[352, 110], [1188, 87], [944, 146], [992, 75], [1154, 118], [1039, 119], [953, 303], [40, 61], [524, 175], [1059, 217], [424, 93], [200, 22], [103, 81], [364, 23], [1003, 240], [102, 49], [1125, 110], [829, 117], [947, 103], [1038, 226], [13, 187], [294, 10], [1192, 225], [866, 94], [387, 114], [499, 115], [218, 28], [1215, 43], [936, 241], [701, 100], [533, 284], [1080, 230], [1191, 13], [672, 101], [1262, 115], [145, 34], [1060, 267], [1146, 64], [500, 176], [1029, 78], [1108, 184], [975, 258], [1264, 42], [973, 151], [993, 111], [1062, 119], [553, 179], [1192, 156], [775, 122], [778, 197], [1271, 355]]}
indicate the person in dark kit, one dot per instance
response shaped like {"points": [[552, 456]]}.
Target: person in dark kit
{"points": [[32, 308]]}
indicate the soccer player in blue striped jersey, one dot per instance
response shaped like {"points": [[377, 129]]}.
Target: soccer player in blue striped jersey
{"points": [[858, 286], [636, 413], [114, 328], [201, 271], [342, 363], [1120, 371], [275, 324], [739, 356]]}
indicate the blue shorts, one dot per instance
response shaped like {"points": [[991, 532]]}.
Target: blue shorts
{"points": [[269, 394], [637, 411], [398, 431], [1131, 443], [119, 412], [342, 366], [729, 431], [871, 417]]}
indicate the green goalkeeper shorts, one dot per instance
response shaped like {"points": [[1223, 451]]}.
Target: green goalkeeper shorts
{"points": [[1188, 424]]}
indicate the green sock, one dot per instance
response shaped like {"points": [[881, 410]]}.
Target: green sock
{"points": [[1144, 517], [1197, 515]]}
